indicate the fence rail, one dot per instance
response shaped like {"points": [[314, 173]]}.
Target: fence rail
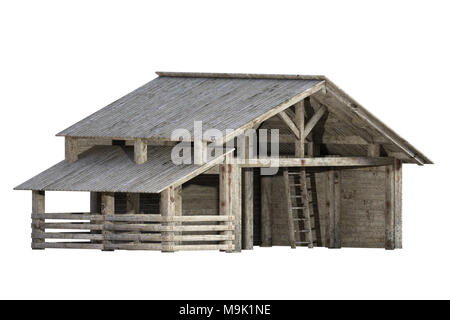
{"points": [[133, 232]]}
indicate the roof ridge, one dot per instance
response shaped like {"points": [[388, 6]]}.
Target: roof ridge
{"points": [[240, 75]]}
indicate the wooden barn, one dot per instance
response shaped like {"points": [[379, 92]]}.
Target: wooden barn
{"points": [[339, 182]]}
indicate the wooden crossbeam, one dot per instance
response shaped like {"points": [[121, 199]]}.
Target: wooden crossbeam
{"points": [[314, 119], [291, 125], [319, 162]]}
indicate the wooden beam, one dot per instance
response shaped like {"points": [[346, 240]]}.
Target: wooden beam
{"points": [[337, 209], [37, 225], [107, 208], [247, 213], [319, 162], [225, 196], [291, 229], [389, 209], [266, 208], [178, 209], [300, 123], [95, 208], [290, 124], [167, 209], [314, 119], [236, 205], [140, 151], [327, 139], [71, 149], [398, 204], [373, 150]]}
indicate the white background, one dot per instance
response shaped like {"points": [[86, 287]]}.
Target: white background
{"points": [[61, 61]]}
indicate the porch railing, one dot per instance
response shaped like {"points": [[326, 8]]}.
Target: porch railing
{"points": [[132, 232]]}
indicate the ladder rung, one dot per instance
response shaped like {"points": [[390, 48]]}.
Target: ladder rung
{"points": [[304, 231], [297, 207], [299, 219]]}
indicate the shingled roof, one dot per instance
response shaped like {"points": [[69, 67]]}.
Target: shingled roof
{"points": [[231, 101]]}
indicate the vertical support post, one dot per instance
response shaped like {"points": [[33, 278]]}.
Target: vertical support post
{"points": [[167, 207], [266, 208], [247, 219], [37, 225], [140, 151], [71, 149], [389, 207], [398, 204], [236, 205], [95, 208], [333, 204], [337, 209], [373, 150], [225, 198], [300, 122], [107, 208], [200, 149], [178, 210]]}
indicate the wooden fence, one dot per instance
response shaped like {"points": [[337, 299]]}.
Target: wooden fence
{"points": [[132, 232]]}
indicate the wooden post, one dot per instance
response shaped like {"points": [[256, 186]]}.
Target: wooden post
{"points": [[200, 149], [266, 208], [178, 209], [247, 219], [333, 204], [71, 149], [373, 150], [398, 204], [389, 207], [37, 225], [167, 208], [95, 208], [140, 151], [236, 205], [337, 209], [107, 208], [300, 122], [225, 197]]}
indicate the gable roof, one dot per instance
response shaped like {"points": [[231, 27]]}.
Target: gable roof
{"points": [[231, 101], [112, 169]]}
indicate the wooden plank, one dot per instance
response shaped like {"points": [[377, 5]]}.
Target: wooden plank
{"points": [[289, 123], [172, 218], [389, 209], [37, 223], [158, 227], [68, 216], [236, 205], [167, 209], [66, 235], [71, 149], [225, 247], [69, 245], [140, 151], [73, 225], [300, 122], [135, 246], [107, 210], [225, 195], [290, 221], [266, 208], [314, 119], [319, 162], [398, 204]]}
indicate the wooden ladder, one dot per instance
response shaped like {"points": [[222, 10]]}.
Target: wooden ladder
{"points": [[298, 205]]}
